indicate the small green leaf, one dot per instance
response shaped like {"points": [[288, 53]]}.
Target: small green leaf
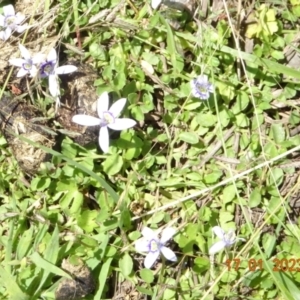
{"points": [[40, 184], [242, 120], [201, 264], [206, 119], [278, 133], [147, 275], [113, 164], [126, 264], [87, 220], [169, 293], [255, 198], [213, 177], [229, 194], [242, 101], [105, 269], [189, 137], [97, 51]]}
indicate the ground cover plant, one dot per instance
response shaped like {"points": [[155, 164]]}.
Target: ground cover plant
{"points": [[173, 173]]}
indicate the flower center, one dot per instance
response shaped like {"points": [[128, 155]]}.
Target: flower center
{"points": [[27, 65], [230, 237], [153, 246], [108, 117], [47, 68], [10, 21], [202, 88]]}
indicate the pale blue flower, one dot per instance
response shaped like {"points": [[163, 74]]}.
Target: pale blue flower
{"points": [[201, 87], [108, 118], [49, 68], [151, 244], [226, 240], [28, 64], [10, 22], [155, 3]]}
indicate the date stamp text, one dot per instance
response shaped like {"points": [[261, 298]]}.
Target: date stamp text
{"points": [[280, 265]]}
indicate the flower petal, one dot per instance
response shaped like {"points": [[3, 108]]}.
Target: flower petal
{"points": [[86, 120], [122, 124], [167, 234], [22, 72], [218, 246], [52, 55], [38, 58], [65, 69], [202, 79], [219, 232], [117, 107], [142, 245], [102, 104], [149, 234], [2, 19], [8, 10], [7, 33], [2, 35], [21, 28], [24, 52], [19, 18], [104, 139], [155, 3], [168, 253], [150, 259], [33, 72], [17, 62], [53, 85], [57, 103]]}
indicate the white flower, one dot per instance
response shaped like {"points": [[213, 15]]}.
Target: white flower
{"points": [[154, 246], [10, 22], [49, 68], [28, 63], [155, 3], [226, 240], [201, 87], [108, 118]]}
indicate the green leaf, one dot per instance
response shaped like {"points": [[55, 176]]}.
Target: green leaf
{"points": [[119, 80], [225, 217], [189, 137], [40, 184], [241, 102], [268, 243], [213, 177], [97, 51], [170, 293], [47, 266], [87, 220], [255, 198], [206, 119], [229, 193], [242, 120], [104, 274], [113, 164], [201, 264], [147, 275], [24, 243], [126, 264], [72, 201], [50, 255], [278, 133], [13, 289]]}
